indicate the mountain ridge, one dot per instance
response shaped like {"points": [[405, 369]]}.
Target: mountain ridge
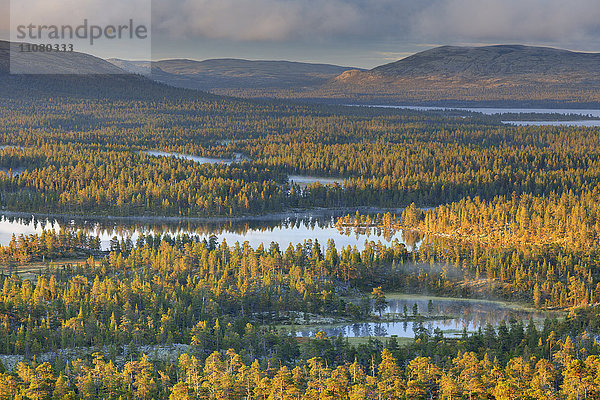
{"points": [[500, 72], [451, 74], [39, 63], [81, 75], [233, 73], [510, 72], [486, 60]]}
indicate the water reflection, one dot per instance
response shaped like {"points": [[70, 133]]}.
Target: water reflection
{"points": [[283, 230], [237, 157], [594, 113], [411, 313], [584, 123], [15, 171], [308, 180]]}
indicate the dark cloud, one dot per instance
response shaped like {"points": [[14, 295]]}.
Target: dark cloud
{"points": [[256, 20], [415, 21], [356, 32]]}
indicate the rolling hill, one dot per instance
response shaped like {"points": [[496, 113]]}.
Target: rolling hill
{"points": [[79, 75], [488, 74], [504, 72], [492, 74], [227, 75], [67, 63], [502, 61]]}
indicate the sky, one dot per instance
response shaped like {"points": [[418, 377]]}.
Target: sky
{"points": [[359, 33]]}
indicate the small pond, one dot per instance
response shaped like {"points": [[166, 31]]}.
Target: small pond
{"points": [[200, 160], [457, 314], [307, 180]]}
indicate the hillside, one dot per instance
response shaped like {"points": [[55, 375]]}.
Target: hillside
{"points": [[495, 62], [79, 75], [506, 72], [225, 75], [59, 63], [489, 74]]}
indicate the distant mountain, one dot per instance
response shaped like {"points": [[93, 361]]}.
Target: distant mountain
{"points": [[226, 75], [78, 75], [444, 74], [490, 74], [495, 62], [509, 72], [132, 67], [57, 62]]}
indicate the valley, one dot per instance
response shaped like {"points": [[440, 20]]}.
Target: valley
{"points": [[159, 241]]}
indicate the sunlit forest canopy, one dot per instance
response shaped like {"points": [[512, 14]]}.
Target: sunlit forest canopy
{"points": [[489, 212], [85, 154]]}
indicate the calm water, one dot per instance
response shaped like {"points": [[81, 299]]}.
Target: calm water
{"points": [[306, 180], [590, 123], [495, 111], [302, 180], [198, 159], [15, 171], [283, 231], [225, 142], [464, 314]]}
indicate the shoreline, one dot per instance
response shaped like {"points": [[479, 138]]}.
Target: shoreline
{"points": [[298, 213]]}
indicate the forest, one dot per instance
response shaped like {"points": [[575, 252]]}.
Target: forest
{"points": [[223, 303], [487, 211], [95, 162]]}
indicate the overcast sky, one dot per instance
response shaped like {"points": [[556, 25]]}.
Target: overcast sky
{"points": [[362, 33]]}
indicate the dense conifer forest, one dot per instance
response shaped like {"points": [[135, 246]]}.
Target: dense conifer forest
{"points": [[498, 212], [92, 161]]}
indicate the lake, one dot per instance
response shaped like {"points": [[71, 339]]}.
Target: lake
{"points": [[462, 314], [15, 171], [583, 123], [496, 111], [284, 230]]}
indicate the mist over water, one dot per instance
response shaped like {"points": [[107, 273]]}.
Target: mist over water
{"points": [[452, 316]]}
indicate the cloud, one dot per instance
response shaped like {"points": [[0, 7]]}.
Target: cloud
{"points": [[255, 20], [367, 33], [446, 21], [75, 11], [377, 30], [509, 20], [403, 21]]}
